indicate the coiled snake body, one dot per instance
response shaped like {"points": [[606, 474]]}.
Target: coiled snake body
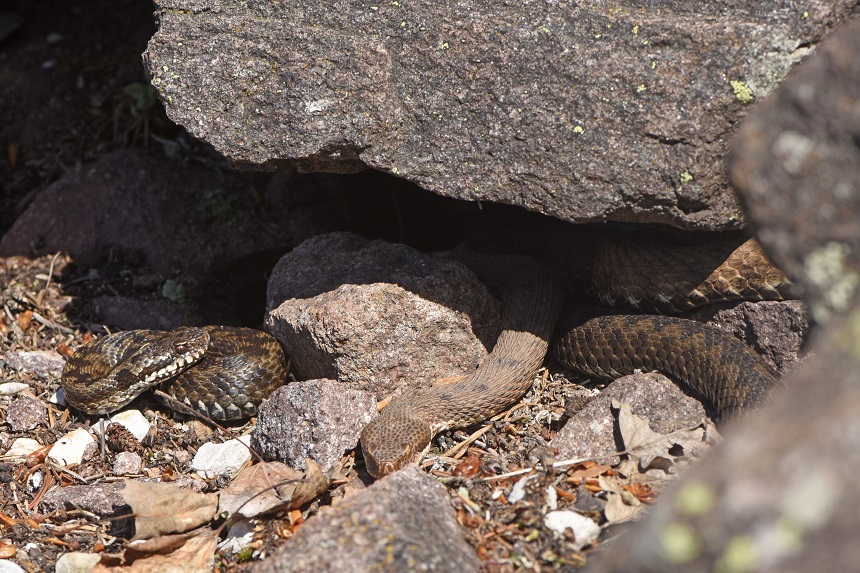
{"points": [[719, 367], [226, 372], [220, 371]]}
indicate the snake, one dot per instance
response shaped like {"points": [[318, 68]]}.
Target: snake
{"points": [[643, 275], [220, 372], [225, 372]]}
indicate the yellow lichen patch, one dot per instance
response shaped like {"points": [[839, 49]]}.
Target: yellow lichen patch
{"points": [[742, 92]]}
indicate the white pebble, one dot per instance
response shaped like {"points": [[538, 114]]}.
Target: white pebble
{"points": [[585, 531], [11, 388], [240, 535], [126, 463], [23, 447], [132, 420], [35, 481], [70, 448], [222, 459], [76, 562], [7, 566], [58, 398]]}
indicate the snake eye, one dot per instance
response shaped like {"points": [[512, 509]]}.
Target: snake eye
{"points": [[181, 347]]}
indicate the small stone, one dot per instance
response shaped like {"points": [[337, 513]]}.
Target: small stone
{"points": [[585, 531], [58, 398], [22, 447], [12, 388], [133, 420], [104, 499], [77, 562], [70, 449], [26, 413], [126, 463], [224, 459], [41, 362], [7, 566], [240, 535], [378, 316], [317, 419], [35, 481]]}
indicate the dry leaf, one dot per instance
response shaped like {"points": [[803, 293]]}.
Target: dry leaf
{"points": [[271, 486], [190, 554], [7, 550], [586, 470], [653, 449], [163, 508], [641, 491], [313, 484], [617, 509]]}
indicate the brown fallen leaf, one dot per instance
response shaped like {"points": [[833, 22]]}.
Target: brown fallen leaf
{"points": [[271, 486], [163, 508], [651, 448], [7, 550], [586, 470], [641, 491], [172, 554]]}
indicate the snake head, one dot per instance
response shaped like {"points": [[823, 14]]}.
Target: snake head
{"points": [[393, 440]]}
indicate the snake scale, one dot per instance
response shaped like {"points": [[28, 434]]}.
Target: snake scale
{"points": [[225, 372]]}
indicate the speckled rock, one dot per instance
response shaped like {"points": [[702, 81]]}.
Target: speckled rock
{"points": [[796, 162], [401, 523], [26, 413], [538, 104], [317, 419], [591, 433], [378, 315]]}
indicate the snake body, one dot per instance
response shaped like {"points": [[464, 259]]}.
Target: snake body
{"points": [[717, 366], [222, 372], [226, 372]]}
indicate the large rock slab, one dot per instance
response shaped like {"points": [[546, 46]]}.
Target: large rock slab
{"points": [[782, 492], [796, 163], [402, 523], [378, 315], [165, 217], [587, 112]]}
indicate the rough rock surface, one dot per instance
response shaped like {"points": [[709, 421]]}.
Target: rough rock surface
{"points": [[317, 419], [104, 500], [776, 330], [782, 492], [26, 413], [378, 315], [591, 433], [539, 105], [401, 523], [796, 163], [130, 204]]}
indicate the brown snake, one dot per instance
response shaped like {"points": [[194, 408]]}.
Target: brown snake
{"points": [[722, 369], [226, 372]]}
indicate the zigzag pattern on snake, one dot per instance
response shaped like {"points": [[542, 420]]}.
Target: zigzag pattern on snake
{"points": [[221, 372]]}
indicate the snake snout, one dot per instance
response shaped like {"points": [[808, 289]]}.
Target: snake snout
{"points": [[393, 440]]}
